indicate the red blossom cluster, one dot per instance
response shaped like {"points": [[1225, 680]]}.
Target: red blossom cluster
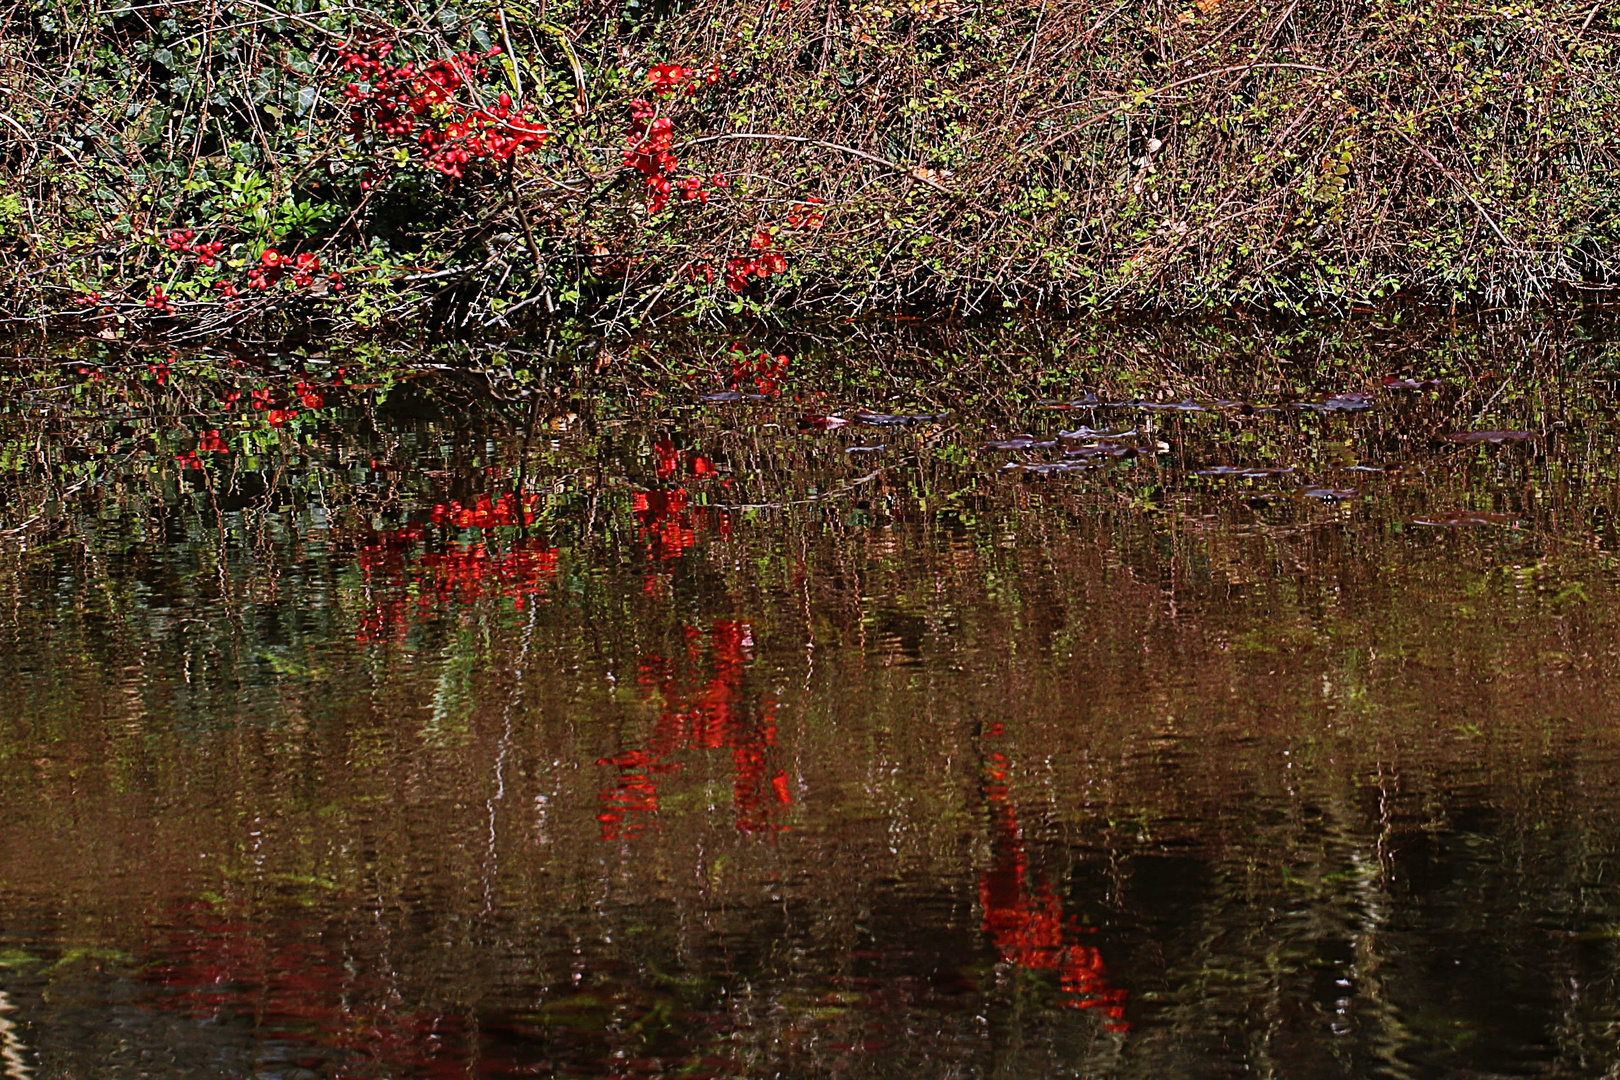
{"points": [[301, 270], [740, 269], [263, 399], [665, 522], [425, 100], [649, 142], [210, 443], [764, 371], [486, 513], [673, 78], [809, 214], [467, 573], [89, 299], [183, 240], [308, 395], [159, 300]]}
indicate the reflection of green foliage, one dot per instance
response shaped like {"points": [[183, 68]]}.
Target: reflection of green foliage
{"points": [[1151, 668]]}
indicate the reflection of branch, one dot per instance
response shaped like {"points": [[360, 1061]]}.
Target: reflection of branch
{"points": [[868, 478], [22, 527], [13, 1066]]}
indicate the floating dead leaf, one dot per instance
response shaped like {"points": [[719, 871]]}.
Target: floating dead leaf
{"points": [[1497, 437], [1049, 468], [1084, 432], [721, 397], [896, 419], [1090, 401], [1018, 442], [1399, 382], [1355, 402], [1327, 494], [1176, 406], [1465, 517], [821, 423], [1099, 450], [1241, 470]]}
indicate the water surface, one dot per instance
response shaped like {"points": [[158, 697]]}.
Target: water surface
{"points": [[545, 724]]}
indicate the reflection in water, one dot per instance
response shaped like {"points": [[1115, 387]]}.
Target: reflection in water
{"points": [[714, 716], [1025, 919], [533, 740], [12, 1051], [405, 587]]}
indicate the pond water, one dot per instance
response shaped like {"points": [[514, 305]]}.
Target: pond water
{"points": [[423, 724]]}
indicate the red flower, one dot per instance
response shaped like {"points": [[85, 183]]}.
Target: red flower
{"points": [[271, 258], [158, 301], [806, 215], [667, 78]]}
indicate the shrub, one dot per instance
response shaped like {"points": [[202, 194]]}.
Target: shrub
{"points": [[194, 167]]}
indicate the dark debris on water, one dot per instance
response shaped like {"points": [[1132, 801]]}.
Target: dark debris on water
{"points": [[1496, 437]]}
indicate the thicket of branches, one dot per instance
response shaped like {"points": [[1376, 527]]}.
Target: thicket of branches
{"points": [[797, 155]]}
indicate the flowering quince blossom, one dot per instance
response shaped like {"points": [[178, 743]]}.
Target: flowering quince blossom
{"points": [[741, 269], [651, 139], [648, 152], [158, 301], [807, 215], [425, 101], [211, 443]]}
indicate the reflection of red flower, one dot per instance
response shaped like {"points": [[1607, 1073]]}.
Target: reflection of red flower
{"points": [[1025, 920], [764, 371], [665, 522], [299, 981], [716, 715], [403, 589], [669, 459], [486, 513]]}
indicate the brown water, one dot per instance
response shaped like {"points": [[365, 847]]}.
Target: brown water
{"points": [[751, 756]]}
